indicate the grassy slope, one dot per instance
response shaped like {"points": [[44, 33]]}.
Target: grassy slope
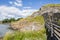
{"points": [[39, 35], [39, 19], [27, 21], [33, 35]]}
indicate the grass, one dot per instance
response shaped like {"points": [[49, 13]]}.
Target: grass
{"points": [[39, 19], [52, 5], [58, 22], [33, 35]]}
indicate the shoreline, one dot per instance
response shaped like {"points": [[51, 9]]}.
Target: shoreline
{"points": [[1, 38]]}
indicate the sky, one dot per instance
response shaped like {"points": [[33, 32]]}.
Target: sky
{"points": [[21, 8]]}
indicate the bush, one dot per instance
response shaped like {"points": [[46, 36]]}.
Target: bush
{"points": [[10, 20]]}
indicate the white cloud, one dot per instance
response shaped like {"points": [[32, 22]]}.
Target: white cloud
{"points": [[19, 1], [11, 2], [26, 7], [28, 11], [8, 12], [16, 3]]}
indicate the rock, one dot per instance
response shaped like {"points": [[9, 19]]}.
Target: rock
{"points": [[26, 25], [33, 26]]}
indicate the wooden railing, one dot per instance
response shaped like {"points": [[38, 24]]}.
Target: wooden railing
{"points": [[54, 29]]}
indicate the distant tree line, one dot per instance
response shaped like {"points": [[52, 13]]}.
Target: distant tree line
{"points": [[10, 20]]}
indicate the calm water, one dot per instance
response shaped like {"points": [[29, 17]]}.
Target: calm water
{"points": [[4, 29]]}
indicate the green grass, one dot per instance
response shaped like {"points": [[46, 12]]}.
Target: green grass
{"points": [[52, 5], [39, 19], [58, 22], [32, 35]]}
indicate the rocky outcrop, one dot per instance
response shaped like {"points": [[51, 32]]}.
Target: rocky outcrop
{"points": [[49, 8], [30, 27], [31, 24]]}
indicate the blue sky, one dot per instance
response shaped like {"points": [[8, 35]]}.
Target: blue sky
{"points": [[21, 8]]}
